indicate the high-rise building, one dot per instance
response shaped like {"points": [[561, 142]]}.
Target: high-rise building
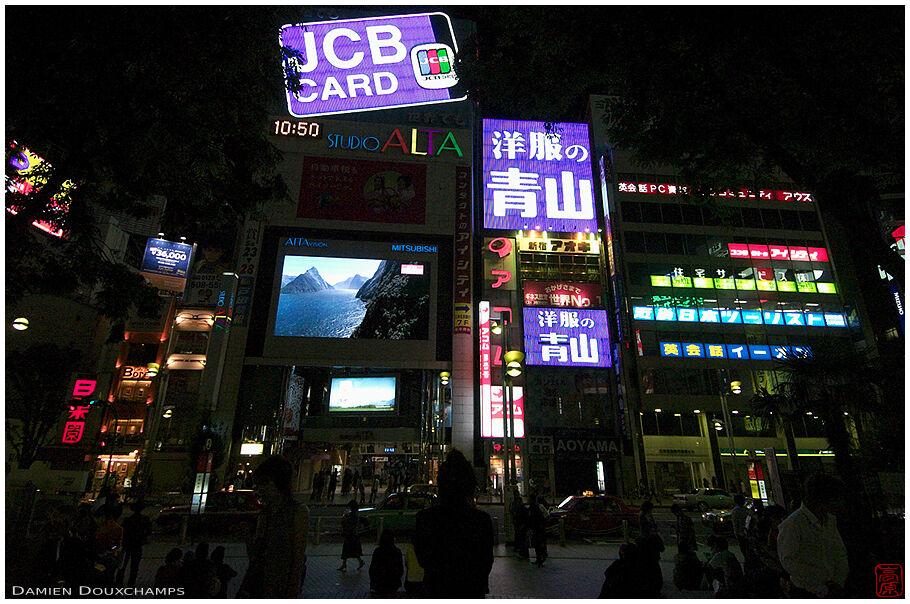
{"points": [[709, 296]]}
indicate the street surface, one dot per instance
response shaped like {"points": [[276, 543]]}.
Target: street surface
{"points": [[573, 570]]}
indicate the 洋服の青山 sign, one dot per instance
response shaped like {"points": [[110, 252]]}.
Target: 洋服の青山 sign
{"points": [[366, 64], [566, 338], [537, 178]]}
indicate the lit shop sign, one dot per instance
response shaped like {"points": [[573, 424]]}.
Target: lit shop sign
{"points": [[486, 369], [422, 142], [166, 263], [74, 428], [566, 338], [130, 372], [537, 180], [778, 252], [731, 351], [33, 170], [366, 64], [733, 316], [563, 295], [499, 264], [668, 189], [766, 279], [560, 246], [497, 410]]}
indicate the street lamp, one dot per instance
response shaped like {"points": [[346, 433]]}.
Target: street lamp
{"points": [[735, 387]]}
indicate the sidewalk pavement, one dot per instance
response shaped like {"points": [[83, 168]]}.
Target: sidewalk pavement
{"points": [[574, 570]]}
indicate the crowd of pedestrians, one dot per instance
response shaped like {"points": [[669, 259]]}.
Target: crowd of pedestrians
{"points": [[795, 553]]}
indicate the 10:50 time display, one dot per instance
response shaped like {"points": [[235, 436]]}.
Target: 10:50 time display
{"points": [[295, 128]]}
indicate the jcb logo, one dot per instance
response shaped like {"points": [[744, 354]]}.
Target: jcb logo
{"points": [[434, 66]]}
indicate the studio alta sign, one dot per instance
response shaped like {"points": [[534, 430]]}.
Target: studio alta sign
{"points": [[418, 141]]}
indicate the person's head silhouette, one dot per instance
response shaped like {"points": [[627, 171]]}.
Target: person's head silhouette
{"points": [[456, 479]]}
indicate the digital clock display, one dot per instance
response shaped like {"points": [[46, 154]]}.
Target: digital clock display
{"points": [[296, 128]]}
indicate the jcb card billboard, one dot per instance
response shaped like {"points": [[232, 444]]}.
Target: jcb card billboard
{"points": [[367, 64]]}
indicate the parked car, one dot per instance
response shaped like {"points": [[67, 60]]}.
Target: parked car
{"points": [[704, 499], [719, 520], [232, 512], [592, 515], [423, 488], [398, 511]]}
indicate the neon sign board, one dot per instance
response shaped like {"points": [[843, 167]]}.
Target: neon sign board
{"points": [[755, 352], [367, 64], [566, 338], [32, 170], [537, 180], [778, 252], [732, 316], [671, 189], [74, 428]]}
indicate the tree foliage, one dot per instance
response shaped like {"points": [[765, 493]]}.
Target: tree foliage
{"points": [[36, 380], [131, 102]]}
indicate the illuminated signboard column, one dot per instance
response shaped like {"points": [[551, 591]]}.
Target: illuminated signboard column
{"points": [[463, 336]]}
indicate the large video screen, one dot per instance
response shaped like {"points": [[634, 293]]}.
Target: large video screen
{"points": [[365, 298], [362, 394]]}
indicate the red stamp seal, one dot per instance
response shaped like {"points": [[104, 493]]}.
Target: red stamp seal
{"points": [[889, 580]]}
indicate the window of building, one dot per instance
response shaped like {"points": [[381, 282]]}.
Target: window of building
{"points": [[631, 211], [790, 220], [649, 424], [675, 243], [650, 212], [671, 213], [635, 242], [751, 218], [691, 214], [809, 221], [771, 219], [655, 243]]}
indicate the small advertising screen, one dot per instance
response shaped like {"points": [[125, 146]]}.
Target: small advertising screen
{"points": [[362, 394]]}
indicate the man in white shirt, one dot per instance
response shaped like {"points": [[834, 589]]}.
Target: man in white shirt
{"points": [[738, 516], [808, 543]]}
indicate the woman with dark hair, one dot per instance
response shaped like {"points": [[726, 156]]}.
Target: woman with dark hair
{"points": [[351, 546], [454, 540], [386, 567], [277, 564]]}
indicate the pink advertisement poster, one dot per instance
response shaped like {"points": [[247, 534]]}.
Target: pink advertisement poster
{"points": [[365, 191]]}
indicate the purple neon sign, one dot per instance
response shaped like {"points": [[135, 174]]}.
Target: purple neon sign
{"points": [[375, 63], [566, 337], [537, 181]]}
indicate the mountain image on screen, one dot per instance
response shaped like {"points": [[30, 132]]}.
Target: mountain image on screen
{"points": [[387, 305], [352, 283], [310, 281], [397, 306]]}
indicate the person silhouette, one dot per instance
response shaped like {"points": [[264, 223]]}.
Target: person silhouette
{"points": [[454, 540]]}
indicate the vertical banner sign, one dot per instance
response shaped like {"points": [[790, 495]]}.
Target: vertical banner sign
{"points": [[462, 250], [366, 64], [498, 411], [166, 263], [292, 404], [218, 339], [74, 428], [246, 269], [537, 179], [486, 369]]}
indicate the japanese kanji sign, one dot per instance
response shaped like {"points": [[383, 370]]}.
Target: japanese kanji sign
{"points": [[566, 338], [535, 179]]}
